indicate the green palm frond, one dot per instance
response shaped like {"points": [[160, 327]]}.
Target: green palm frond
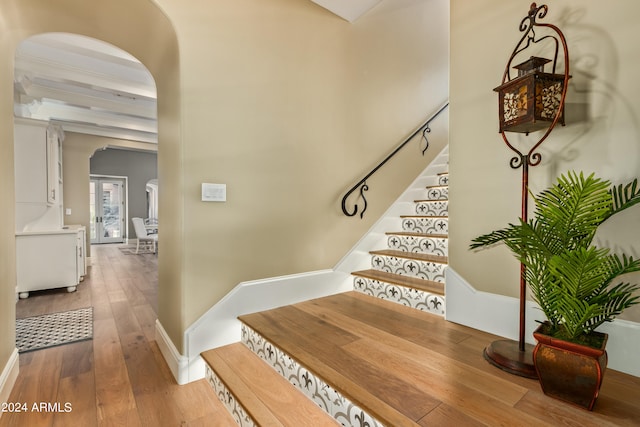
{"points": [[624, 196], [573, 208], [569, 278]]}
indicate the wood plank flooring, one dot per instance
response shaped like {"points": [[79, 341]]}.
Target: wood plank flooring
{"points": [[119, 377], [407, 367]]}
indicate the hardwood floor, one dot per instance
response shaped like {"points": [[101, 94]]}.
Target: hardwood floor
{"points": [[119, 377], [410, 368]]}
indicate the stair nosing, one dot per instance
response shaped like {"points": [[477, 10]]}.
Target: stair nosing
{"points": [[412, 234], [436, 288], [260, 410], [418, 256], [366, 405]]}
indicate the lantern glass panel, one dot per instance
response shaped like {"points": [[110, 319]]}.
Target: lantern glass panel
{"points": [[548, 97], [515, 103]]}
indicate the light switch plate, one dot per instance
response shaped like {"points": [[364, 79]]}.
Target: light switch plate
{"points": [[214, 192]]}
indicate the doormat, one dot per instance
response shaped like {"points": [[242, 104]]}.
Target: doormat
{"points": [[49, 330]]}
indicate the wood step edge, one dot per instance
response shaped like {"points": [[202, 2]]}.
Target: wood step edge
{"points": [[252, 383], [411, 234], [430, 200], [348, 390], [254, 408], [418, 256], [430, 286]]}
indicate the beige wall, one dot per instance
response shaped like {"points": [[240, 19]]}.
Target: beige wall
{"points": [[279, 99], [602, 133], [288, 105]]}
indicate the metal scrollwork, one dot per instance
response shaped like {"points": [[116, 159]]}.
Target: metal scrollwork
{"points": [[531, 159], [426, 140], [363, 187], [362, 184], [523, 160], [528, 25]]}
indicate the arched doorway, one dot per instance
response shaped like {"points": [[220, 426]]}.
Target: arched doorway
{"points": [[142, 29]]}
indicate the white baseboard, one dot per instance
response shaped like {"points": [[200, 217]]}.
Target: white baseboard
{"points": [[220, 325], [8, 377], [178, 363], [498, 314]]}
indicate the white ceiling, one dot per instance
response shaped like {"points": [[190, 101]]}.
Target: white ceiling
{"points": [[92, 87], [348, 9], [86, 85]]}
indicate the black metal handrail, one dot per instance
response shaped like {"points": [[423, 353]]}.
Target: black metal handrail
{"points": [[362, 184]]}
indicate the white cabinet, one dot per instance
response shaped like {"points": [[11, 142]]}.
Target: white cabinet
{"points": [[30, 161], [46, 261], [48, 255], [81, 243], [54, 165], [38, 175]]}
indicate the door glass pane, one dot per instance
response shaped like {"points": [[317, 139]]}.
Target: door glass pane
{"points": [[111, 202], [92, 211]]}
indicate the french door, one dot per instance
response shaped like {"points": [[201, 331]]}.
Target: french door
{"points": [[107, 210]]}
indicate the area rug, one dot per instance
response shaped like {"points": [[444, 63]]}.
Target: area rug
{"points": [[131, 250], [49, 330]]}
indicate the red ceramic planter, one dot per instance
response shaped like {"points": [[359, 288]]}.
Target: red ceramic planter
{"points": [[569, 371]]}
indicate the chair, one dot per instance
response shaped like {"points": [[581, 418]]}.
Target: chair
{"points": [[142, 235]]}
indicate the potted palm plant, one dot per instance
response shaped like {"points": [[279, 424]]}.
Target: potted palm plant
{"points": [[572, 280]]}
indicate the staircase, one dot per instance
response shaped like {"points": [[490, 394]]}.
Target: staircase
{"points": [[325, 348], [410, 271]]}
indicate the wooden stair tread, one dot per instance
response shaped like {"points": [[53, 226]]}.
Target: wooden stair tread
{"points": [[323, 348], [400, 280], [418, 256], [412, 234], [253, 382], [430, 200]]}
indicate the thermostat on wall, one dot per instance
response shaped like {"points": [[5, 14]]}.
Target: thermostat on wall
{"points": [[214, 192]]}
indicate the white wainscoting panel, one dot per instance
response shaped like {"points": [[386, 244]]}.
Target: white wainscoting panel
{"points": [[499, 315]]}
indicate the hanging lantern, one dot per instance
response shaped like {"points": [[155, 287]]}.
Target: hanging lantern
{"points": [[530, 101]]}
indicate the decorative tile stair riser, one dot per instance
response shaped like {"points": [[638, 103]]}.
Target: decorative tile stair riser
{"points": [[345, 412], [420, 244], [49, 330], [409, 297], [228, 399], [418, 251]]}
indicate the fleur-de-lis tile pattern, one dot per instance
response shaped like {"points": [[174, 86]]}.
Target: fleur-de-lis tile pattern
{"points": [[426, 225], [425, 231], [434, 245], [432, 208], [330, 400], [409, 267], [228, 399], [409, 297]]}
